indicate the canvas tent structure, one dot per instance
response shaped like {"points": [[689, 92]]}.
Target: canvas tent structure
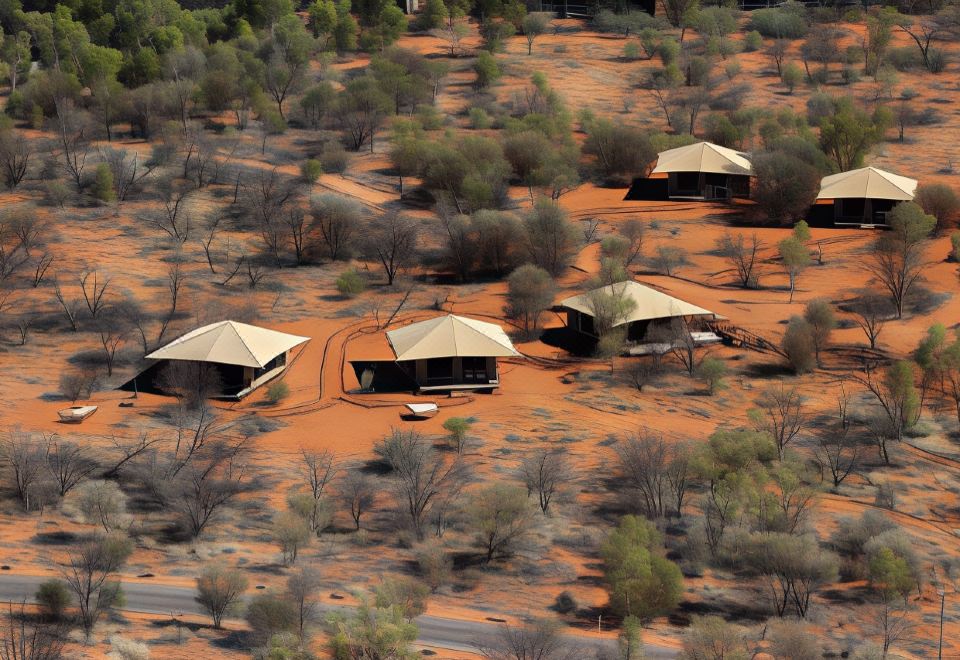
{"points": [[444, 353], [244, 356], [651, 308], [704, 171], [864, 196]]}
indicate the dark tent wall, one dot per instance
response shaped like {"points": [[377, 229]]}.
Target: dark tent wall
{"points": [[648, 190]]}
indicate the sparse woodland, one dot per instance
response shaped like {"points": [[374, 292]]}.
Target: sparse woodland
{"points": [[336, 168]]}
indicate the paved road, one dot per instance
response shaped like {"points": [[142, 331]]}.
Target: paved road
{"points": [[435, 632]]}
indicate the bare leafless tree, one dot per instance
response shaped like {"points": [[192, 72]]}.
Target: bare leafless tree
{"points": [[23, 461], [540, 639], [871, 312], [79, 382], [213, 224], [90, 574], [176, 277], [209, 483], [678, 340], [393, 240], [174, 216], [422, 475], [303, 589], [298, 226], [319, 470], [14, 253], [893, 622], [191, 382], [112, 331], [128, 172], [337, 221], [69, 463], [642, 372], [358, 493], [40, 267], [23, 637], [546, 473], [70, 307], [129, 451], [655, 472], [780, 413], [266, 197], [255, 273], [838, 449], [897, 259], [94, 288], [16, 151], [743, 254], [74, 132]]}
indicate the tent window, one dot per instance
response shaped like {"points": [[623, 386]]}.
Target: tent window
{"points": [[475, 370], [278, 361]]}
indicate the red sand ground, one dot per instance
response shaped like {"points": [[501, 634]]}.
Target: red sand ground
{"points": [[535, 403]]}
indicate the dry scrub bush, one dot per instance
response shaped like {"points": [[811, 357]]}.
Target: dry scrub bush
{"points": [[219, 590], [434, 566], [122, 648]]}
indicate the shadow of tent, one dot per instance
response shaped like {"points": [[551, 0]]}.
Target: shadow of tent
{"points": [[572, 342], [382, 376]]}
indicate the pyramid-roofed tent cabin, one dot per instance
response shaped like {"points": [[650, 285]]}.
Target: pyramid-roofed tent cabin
{"points": [[704, 170], [651, 308], [245, 356], [865, 196], [451, 352]]}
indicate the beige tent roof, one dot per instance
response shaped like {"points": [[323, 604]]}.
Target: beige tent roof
{"points": [[229, 342], [650, 303], [703, 157], [867, 183], [450, 336]]}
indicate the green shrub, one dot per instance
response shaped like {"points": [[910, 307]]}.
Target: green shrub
{"points": [[903, 58], [487, 69], [102, 189], [792, 75], [351, 283], [53, 599], [631, 50], [334, 159], [668, 51], [311, 170], [479, 118], [458, 428], [753, 41], [712, 372], [430, 118], [278, 391], [785, 22], [640, 580], [955, 245], [936, 60], [732, 69], [36, 117]]}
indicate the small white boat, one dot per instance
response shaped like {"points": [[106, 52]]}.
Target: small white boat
{"points": [[76, 414], [419, 410]]}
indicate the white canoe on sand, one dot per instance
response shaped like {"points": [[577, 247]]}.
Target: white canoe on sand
{"points": [[419, 410], [76, 414]]}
